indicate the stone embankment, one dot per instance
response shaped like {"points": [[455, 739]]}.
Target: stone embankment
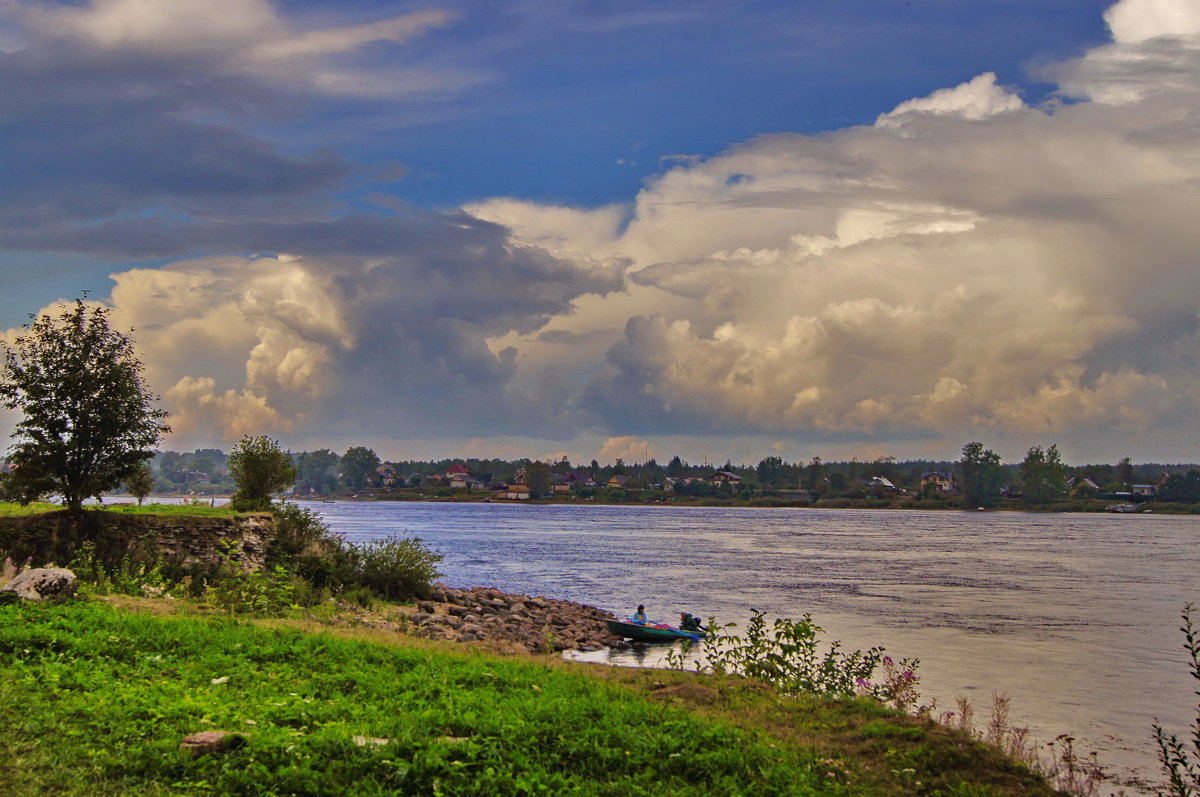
{"points": [[514, 622]]}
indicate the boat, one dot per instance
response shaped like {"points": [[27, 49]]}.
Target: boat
{"points": [[651, 632], [1123, 509]]}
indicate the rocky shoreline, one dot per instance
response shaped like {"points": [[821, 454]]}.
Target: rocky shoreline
{"points": [[505, 621]]}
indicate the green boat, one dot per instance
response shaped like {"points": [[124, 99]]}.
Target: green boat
{"points": [[651, 632]]}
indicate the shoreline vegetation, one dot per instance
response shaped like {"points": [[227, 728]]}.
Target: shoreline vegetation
{"points": [[200, 504]]}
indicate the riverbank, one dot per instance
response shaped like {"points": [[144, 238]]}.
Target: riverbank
{"points": [[109, 689]]}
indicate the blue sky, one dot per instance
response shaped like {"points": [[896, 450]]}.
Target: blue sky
{"points": [[718, 229]]}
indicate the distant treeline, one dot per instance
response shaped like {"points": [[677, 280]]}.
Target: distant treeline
{"points": [[327, 473]]}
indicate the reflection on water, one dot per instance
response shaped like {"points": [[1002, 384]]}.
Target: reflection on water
{"points": [[1075, 617]]}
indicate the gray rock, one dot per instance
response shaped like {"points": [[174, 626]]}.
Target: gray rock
{"points": [[42, 583], [427, 607]]}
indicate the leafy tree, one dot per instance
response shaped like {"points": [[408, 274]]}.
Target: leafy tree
{"points": [[1043, 475], [140, 483], [814, 475], [1125, 472], [358, 466], [537, 476], [982, 475], [259, 468], [770, 471], [317, 471], [1180, 488], [172, 466], [88, 417]]}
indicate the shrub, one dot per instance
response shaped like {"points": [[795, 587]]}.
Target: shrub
{"points": [[396, 568], [258, 593], [789, 657]]}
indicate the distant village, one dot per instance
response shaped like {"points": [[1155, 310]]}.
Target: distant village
{"points": [[359, 473]]}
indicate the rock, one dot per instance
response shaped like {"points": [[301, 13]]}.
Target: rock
{"points": [[199, 744], [41, 583], [458, 611], [427, 607]]}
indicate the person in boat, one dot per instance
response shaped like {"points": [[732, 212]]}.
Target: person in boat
{"points": [[689, 622], [639, 616]]}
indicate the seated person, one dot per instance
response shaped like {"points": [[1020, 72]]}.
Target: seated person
{"points": [[689, 622], [640, 616]]}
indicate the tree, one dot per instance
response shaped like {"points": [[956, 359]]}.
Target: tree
{"points": [[259, 468], [140, 483], [982, 476], [1043, 475], [1181, 488], [676, 467], [814, 475], [537, 476], [770, 471], [1125, 473], [88, 417], [358, 466], [317, 471]]}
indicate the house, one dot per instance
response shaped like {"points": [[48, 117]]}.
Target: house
{"points": [[581, 477], [518, 492], [617, 481], [461, 481], [942, 482], [387, 475], [1083, 484], [724, 476], [1143, 490]]}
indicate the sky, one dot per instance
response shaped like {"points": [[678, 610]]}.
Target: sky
{"points": [[635, 228]]}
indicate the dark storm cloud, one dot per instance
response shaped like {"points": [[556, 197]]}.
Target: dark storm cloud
{"points": [[99, 148]]}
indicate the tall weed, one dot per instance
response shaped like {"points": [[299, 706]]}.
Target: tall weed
{"points": [[1180, 760], [1058, 761]]}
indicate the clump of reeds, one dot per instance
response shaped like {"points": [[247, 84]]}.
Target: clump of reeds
{"points": [[1058, 761]]}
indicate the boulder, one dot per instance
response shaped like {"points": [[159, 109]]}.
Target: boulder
{"points": [[40, 584]]}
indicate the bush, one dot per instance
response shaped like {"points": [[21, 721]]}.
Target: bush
{"points": [[789, 656], [396, 568], [258, 593], [306, 546]]}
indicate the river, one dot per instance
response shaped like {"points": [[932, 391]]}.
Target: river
{"points": [[1074, 617]]}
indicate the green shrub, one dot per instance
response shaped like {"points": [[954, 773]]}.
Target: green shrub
{"points": [[396, 568], [255, 593], [788, 655]]}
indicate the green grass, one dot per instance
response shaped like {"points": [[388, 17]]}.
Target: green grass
{"points": [[101, 697], [169, 509], [37, 508], [107, 696]]}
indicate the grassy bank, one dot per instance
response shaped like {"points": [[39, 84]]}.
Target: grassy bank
{"points": [[100, 698]]}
